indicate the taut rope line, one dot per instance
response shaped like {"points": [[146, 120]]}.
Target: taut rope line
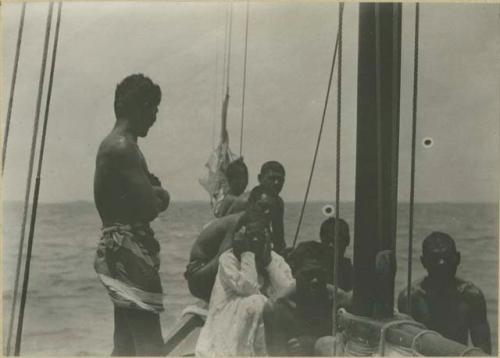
{"points": [[30, 172], [216, 77], [413, 145], [229, 47], [317, 143], [13, 85], [244, 80], [337, 174], [38, 180]]}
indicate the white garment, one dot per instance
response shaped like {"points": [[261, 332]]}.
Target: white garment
{"points": [[234, 324]]}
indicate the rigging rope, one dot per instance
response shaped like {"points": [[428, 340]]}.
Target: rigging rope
{"points": [[30, 173], [337, 183], [224, 66], [13, 85], [216, 77], [317, 143], [38, 179], [244, 80], [229, 47], [413, 145], [227, 67]]}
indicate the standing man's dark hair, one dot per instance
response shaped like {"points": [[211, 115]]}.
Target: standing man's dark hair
{"points": [[135, 91], [128, 197]]}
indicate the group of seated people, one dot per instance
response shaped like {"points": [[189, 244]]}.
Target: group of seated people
{"points": [[264, 299]]}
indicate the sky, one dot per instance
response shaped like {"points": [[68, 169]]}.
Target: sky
{"points": [[180, 45]]}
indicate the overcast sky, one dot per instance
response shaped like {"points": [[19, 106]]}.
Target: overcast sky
{"points": [[181, 46]]}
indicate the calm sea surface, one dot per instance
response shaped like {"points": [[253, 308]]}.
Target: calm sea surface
{"points": [[68, 311]]}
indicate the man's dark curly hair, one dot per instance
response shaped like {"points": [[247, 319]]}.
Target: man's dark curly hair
{"points": [[236, 167], [134, 91]]}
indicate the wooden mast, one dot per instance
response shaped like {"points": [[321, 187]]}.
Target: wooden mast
{"points": [[379, 67]]}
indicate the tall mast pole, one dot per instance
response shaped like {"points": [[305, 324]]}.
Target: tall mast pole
{"points": [[379, 70]]}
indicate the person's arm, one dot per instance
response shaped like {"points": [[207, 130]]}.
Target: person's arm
{"points": [[280, 274], [402, 302], [478, 323], [344, 298], [302, 346], [162, 195], [239, 276], [222, 206], [140, 194], [277, 227], [238, 205]]}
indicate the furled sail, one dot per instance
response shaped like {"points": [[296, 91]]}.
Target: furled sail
{"points": [[214, 181]]}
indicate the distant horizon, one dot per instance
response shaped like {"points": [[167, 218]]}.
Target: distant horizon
{"points": [[289, 201]]}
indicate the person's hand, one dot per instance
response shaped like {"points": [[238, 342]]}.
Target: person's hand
{"points": [[163, 198], [300, 346], [240, 244], [294, 347], [266, 253]]}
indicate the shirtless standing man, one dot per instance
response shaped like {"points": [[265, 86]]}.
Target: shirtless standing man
{"points": [[443, 302], [128, 197]]}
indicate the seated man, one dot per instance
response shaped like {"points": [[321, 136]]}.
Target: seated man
{"points": [[327, 236], [216, 238], [443, 302], [272, 177], [237, 179], [324, 252], [296, 320], [247, 274]]}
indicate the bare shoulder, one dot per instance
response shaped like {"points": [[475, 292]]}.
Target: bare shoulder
{"points": [[469, 291], [229, 221], [224, 223], [416, 290], [117, 147]]}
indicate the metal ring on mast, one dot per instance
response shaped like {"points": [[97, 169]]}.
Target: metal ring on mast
{"points": [[413, 145], [39, 171], [13, 86]]}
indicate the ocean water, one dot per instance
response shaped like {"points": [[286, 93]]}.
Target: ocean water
{"points": [[68, 311]]}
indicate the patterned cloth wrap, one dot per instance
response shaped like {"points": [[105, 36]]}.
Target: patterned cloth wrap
{"points": [[127, 264]]}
